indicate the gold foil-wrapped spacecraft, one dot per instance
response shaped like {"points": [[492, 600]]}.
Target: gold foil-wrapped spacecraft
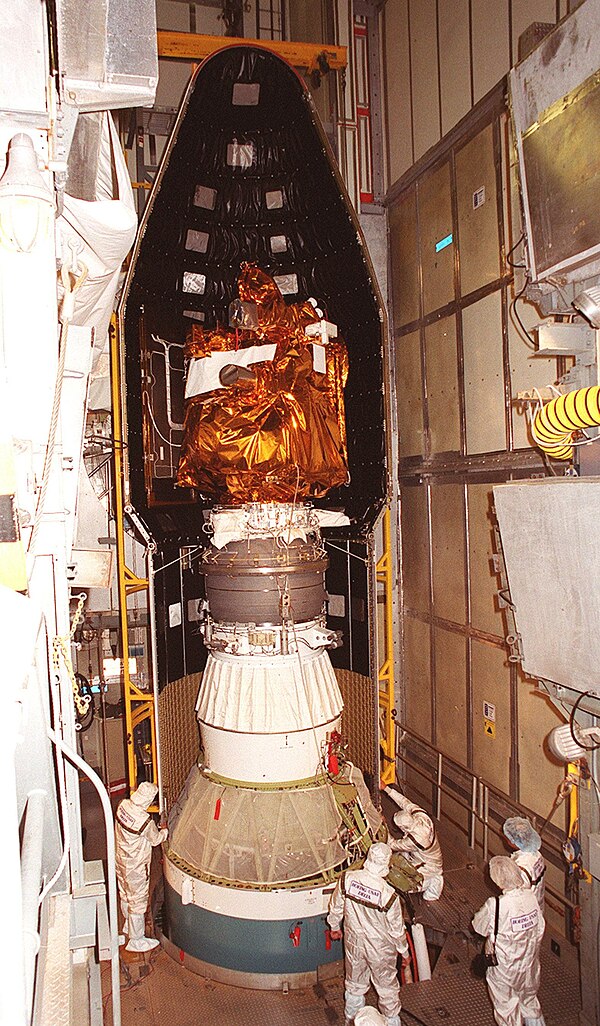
{"points": [[276, 433]]}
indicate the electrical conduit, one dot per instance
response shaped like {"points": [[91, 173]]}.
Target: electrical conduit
{"points": [[554, 425]]}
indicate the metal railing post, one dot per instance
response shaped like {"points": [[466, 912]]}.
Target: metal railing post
{"points": [[473, 815], [438, 793], [486, 809]]}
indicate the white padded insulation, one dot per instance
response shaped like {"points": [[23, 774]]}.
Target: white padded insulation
{"points": [[274, 695]]}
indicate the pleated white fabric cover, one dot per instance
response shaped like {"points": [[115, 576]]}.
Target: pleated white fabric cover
{"points": [[274, 694]]}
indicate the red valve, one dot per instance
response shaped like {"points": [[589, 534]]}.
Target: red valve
{"points": [[295, 936], [327, 940], [217, 811], [333, 752]]}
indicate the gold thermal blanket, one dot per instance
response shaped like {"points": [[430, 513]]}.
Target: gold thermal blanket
{"points": [[279, 433]]}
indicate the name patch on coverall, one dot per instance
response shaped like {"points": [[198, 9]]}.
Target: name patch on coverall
{"points": [[521, 923], [126, 818], [362, 893], [538, 867]]}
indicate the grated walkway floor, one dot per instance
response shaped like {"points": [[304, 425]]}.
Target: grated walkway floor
{"points": [[157, 991]]}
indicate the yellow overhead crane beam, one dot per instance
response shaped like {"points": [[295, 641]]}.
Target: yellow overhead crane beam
{"points": [[312, 56]]}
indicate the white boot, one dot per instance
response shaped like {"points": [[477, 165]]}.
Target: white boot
{"points": [[137, 940], [352, 1004]]}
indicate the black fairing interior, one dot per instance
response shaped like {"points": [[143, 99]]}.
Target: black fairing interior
{"points": [[322, 248]]}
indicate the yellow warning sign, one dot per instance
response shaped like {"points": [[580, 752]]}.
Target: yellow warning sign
{"points": [[490, 727]]}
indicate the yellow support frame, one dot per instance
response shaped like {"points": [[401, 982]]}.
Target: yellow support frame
{"points": [[384, 575], [574, 772], [139, 705], [193, 47]]}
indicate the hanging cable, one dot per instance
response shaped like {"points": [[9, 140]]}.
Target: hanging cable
{"points": [[564, 789], [513, 308], [510, 262], [578, 741]]}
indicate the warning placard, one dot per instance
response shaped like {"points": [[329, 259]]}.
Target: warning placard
{"points": [[490, 728]]}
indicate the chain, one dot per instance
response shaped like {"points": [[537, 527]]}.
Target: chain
{"points": [[78, 614], [61, 646]]}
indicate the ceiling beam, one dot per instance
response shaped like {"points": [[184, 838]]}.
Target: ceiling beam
{"points": [[311, 56]]}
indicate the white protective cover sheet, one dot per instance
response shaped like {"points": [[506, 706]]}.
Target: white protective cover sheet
{"points": [[203, 374], [102, 232], [231, 525], [268, 696]]}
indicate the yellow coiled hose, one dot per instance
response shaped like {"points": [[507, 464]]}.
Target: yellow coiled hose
{"points": [[554, 425]]}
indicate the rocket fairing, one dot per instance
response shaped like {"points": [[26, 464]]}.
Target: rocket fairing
{"points": [[247, 176], [272, 811]]}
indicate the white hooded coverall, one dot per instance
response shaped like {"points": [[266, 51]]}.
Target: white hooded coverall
{"points": [[524, 838], [136, 834], [374, 933], [533, 867], [513, 983], [420, 845]]}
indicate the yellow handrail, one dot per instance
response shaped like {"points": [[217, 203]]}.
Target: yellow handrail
{"points": [[139, 705], [387, 740]]}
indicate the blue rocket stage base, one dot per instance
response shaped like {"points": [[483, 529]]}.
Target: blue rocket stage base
{"points": [[246, 946]]}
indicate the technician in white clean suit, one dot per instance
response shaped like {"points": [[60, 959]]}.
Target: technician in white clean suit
{"points": [[526, 843], [418, 844], [514, 982], [136, 834], [374, 934]]}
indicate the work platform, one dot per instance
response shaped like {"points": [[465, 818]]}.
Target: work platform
{"points": [[159, 992], [170, 996]]}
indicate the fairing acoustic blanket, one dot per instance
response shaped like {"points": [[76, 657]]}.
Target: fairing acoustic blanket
{"points": [[277, 433], [248, 178]]}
